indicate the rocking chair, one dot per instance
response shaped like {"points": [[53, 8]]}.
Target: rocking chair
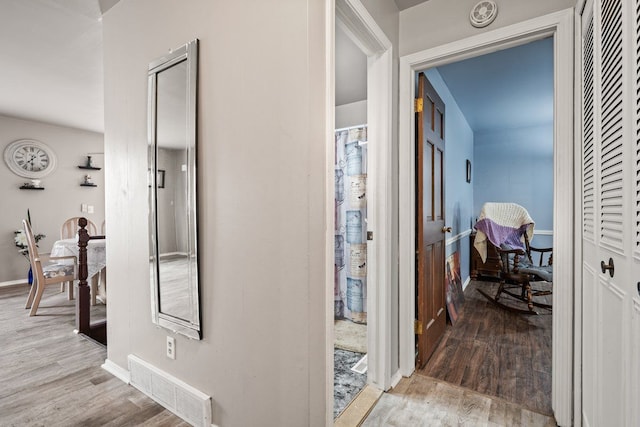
{"points": [[517, 270]]}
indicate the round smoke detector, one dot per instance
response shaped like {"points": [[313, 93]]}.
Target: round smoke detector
{"points": [[483, 13]]}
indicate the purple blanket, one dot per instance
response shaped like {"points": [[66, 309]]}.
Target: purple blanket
{"points": [[501, 234], [502, 223]]}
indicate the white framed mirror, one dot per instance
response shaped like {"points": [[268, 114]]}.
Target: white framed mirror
{"points": [[173, 231]]}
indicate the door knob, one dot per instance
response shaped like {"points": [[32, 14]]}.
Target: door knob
{"points": [[446, 229], [606, 267]]}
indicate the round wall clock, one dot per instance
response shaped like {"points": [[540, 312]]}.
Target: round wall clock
{"points": [[29, 158]]}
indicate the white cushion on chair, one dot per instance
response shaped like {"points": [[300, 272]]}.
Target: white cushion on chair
{"points": [[55, 270]]}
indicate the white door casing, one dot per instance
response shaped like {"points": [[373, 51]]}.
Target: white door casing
{"points": [[362, 29], [560, 26]]}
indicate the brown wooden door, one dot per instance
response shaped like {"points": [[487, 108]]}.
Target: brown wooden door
{"points": [[430, 237]]}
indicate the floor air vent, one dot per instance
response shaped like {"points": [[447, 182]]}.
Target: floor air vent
{"points": [[180, 398]]}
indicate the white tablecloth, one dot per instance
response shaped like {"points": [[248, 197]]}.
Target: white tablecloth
{"points": [[96, 253]]}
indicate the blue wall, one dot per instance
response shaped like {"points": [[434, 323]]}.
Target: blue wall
{"points": [[516, 165], [458, 193], [508, 165]]}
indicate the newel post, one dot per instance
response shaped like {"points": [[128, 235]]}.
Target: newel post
{"points": [[82, 300]]}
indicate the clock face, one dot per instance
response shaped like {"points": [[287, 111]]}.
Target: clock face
{"points": [[29, 158]]}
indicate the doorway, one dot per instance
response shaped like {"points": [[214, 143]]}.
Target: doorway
{"points": [[504, 129], [560, 27], [362, 29], [350, 222]]}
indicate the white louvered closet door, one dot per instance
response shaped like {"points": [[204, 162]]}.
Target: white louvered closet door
{"points": [[610, 213]]}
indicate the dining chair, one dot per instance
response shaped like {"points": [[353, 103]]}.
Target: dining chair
{"points": [[70, 228], [46, 271]]}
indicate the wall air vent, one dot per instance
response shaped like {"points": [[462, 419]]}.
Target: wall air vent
{"points": [[483, 13], [183, 400]]}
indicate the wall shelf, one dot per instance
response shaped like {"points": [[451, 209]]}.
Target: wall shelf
{"points": [[93, 168], [88, 185], [30, 187]]}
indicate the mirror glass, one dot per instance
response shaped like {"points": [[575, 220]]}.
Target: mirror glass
{"points": [[172, 191]]}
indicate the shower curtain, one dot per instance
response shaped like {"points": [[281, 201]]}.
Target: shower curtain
{"points": [[350, 266]]}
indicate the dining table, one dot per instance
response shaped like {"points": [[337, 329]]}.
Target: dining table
{"points": [[96, 260]]}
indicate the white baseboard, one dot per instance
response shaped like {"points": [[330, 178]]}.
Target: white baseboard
{"points": [[13, 283], [172, 254], [395, 379], [117, 371]]}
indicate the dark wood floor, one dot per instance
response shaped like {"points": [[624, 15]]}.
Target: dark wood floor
{"points": [[497, 352], [50, 376]]}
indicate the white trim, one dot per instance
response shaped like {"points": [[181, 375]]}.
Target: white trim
{"points": [[13, 283], [577, 228], [117, 371], [563, 221], [460, 236], [457, 237], [170, 254], [361, 27], [559, 25], [395, 379], [352, 127], [354, 18], [329, 250], [543, 232], [466, 283]]}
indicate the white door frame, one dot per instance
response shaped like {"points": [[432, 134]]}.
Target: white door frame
{"points": [[560, 25], [362, 29]]}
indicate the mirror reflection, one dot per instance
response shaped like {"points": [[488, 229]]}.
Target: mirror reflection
{"points": [[172, 193]]}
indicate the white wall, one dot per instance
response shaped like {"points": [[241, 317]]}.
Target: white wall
{"points": [[62, 196], [437, 22], [262, 174], [352, 114]]}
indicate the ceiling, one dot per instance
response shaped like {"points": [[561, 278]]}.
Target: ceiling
{"points": [[351, 70], [52, 69], [52, 61], [406, 4], [351, 64], [510, 88]]}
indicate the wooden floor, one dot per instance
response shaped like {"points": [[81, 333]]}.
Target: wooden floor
{"points": [[424, 401], [50, 376], [497, 352], [493, 368]]}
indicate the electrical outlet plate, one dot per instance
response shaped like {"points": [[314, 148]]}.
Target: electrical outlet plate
{"points": [[171, 347]]}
